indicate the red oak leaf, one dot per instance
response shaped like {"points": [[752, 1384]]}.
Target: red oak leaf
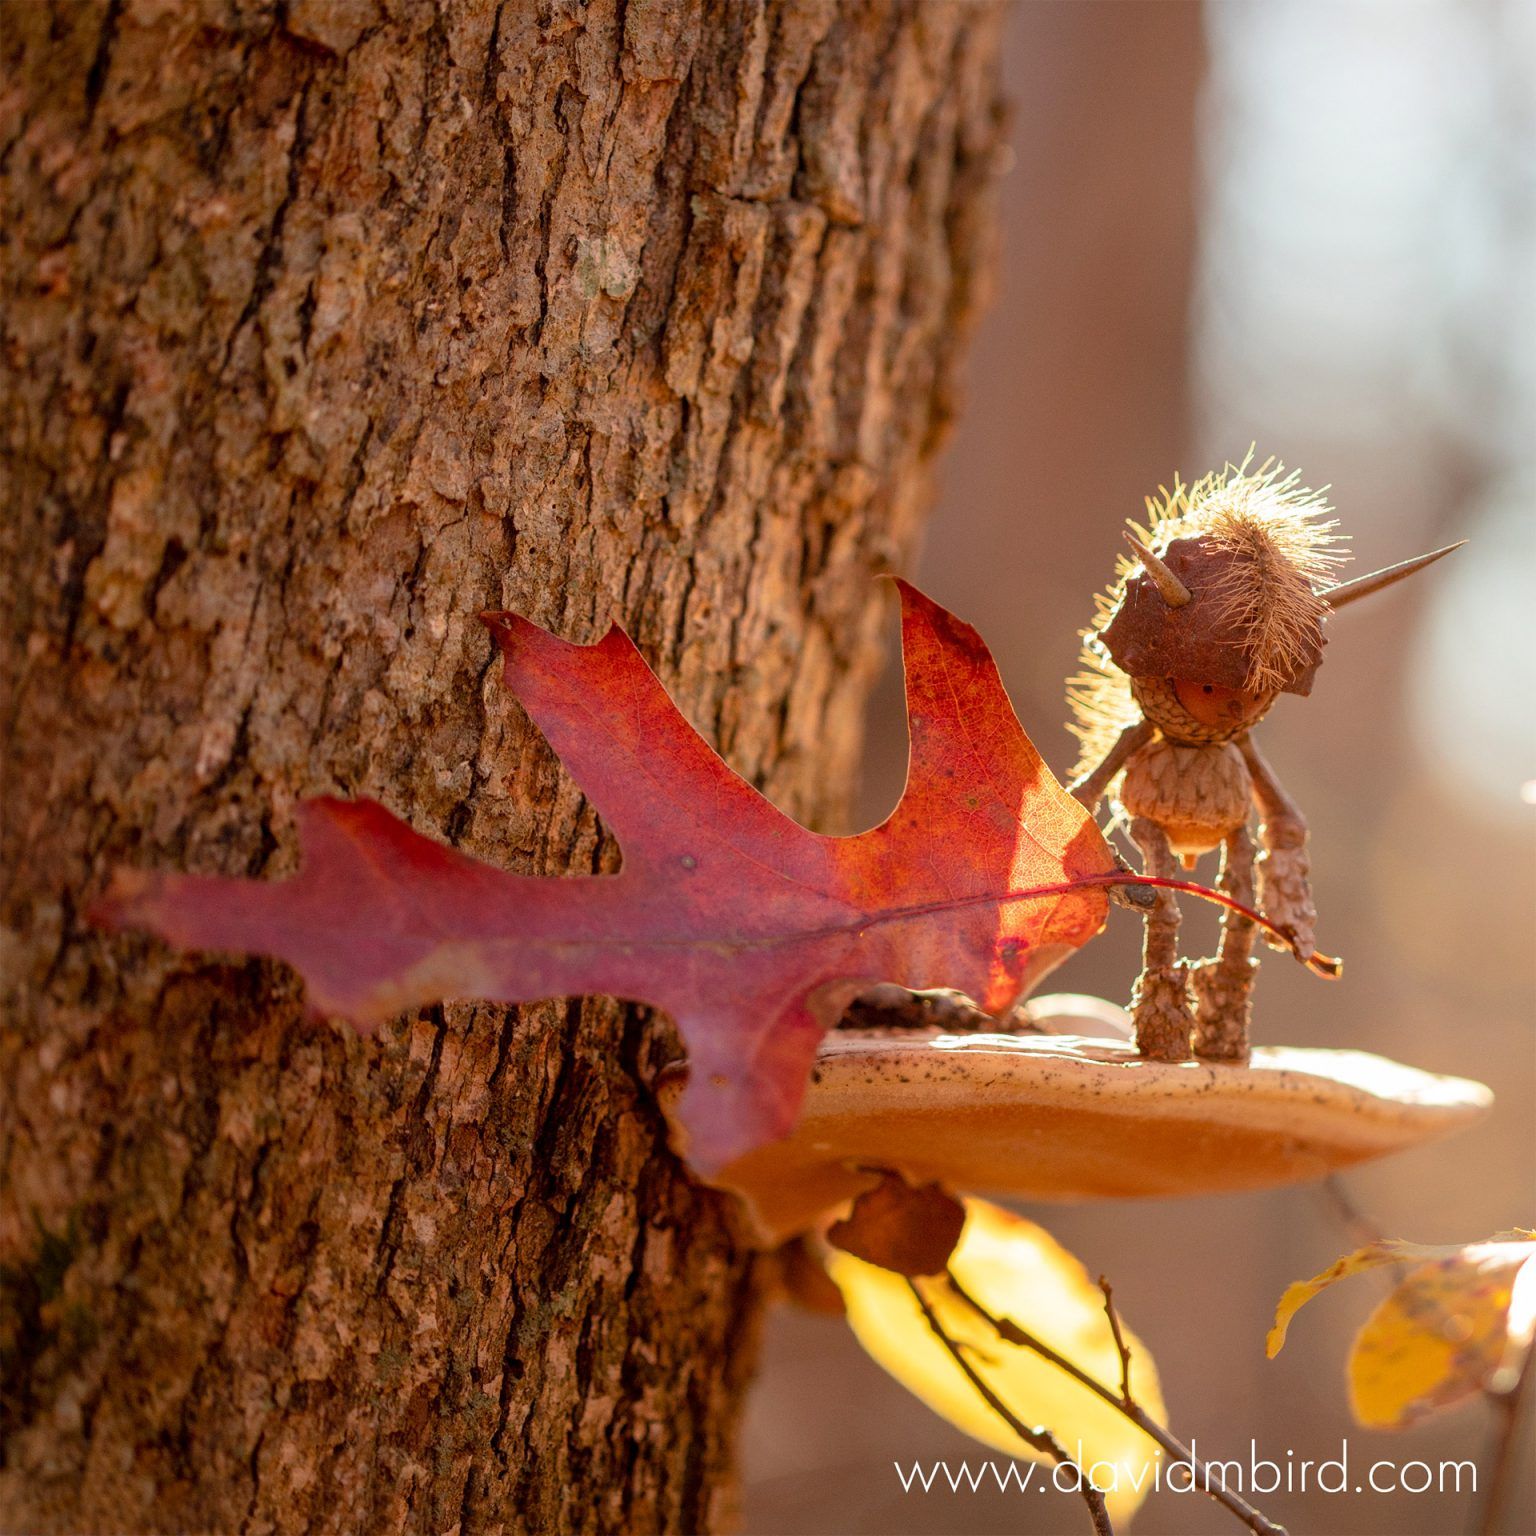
{"points": [[753, 932]]}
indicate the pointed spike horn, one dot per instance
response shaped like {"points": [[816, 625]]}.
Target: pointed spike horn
{"points": [[1173, 591], [1363, 586]]}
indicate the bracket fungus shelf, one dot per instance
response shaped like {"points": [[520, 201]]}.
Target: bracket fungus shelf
{"points": [[1072, 1117]]}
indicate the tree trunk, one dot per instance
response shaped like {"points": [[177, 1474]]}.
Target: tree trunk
{"points": [[330, 324]]}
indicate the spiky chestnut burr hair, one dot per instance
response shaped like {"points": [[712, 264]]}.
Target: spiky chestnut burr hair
{"points": [[1252, 546]]}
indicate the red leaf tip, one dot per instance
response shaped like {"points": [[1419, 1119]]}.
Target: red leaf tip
{"points": [[512, 633]]}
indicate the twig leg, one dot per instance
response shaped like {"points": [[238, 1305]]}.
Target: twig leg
{"points": [[1224, 986], [1160, 1003]]}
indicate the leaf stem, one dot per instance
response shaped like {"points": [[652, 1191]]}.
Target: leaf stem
{"points": [[1320, 965]]}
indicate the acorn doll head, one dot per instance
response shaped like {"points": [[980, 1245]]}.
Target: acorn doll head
{"points": [[1217, 610]]}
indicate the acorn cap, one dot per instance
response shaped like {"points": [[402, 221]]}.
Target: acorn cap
{"points": [[1204, 640], [1072, 1118]]}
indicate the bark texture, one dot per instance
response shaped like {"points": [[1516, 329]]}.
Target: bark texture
{"points": [[329, 324]]}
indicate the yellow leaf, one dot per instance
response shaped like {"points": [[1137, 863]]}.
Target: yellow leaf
{"points": [[1299, 1292], [1018, 1272], [1439, 1338], [1454, 1322]]}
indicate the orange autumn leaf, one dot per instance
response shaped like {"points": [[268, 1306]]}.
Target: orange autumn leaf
{"points": [[752, 931], [1449, 1329]]}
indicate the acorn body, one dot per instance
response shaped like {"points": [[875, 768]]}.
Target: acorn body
{"points": [[1197, 793]]}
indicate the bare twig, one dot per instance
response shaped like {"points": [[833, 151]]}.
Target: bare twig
{"points": [[1356, 1222], [1013, 1334], [1041, 1440], [1121, 1346], [1508, 1402]]}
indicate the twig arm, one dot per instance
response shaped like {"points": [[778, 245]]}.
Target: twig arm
{"points": [[1284, 867], [1089, 789], [1269, 794]]}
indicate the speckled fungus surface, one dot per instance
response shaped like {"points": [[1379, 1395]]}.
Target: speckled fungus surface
{"points": [[1072, 1117]]}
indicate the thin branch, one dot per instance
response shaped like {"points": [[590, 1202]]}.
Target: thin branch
{"points": [[1041, 1440], [1126, 1400], [1013, 1334], [1508, 1403], [1356, 1222]]}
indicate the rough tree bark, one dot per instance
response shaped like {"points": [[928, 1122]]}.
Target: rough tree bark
{"points": [[330, 323]]}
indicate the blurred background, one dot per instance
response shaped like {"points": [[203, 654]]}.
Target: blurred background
{"points": [[1310, 227]]}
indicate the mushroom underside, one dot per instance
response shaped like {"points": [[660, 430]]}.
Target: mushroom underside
{"points": [[1061, 1117]]}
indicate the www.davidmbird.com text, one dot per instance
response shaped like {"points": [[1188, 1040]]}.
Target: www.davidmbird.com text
{"points": [[1255, 1474]]}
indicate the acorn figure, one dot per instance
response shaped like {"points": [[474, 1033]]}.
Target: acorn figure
{"points": [[1218, 610]]}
